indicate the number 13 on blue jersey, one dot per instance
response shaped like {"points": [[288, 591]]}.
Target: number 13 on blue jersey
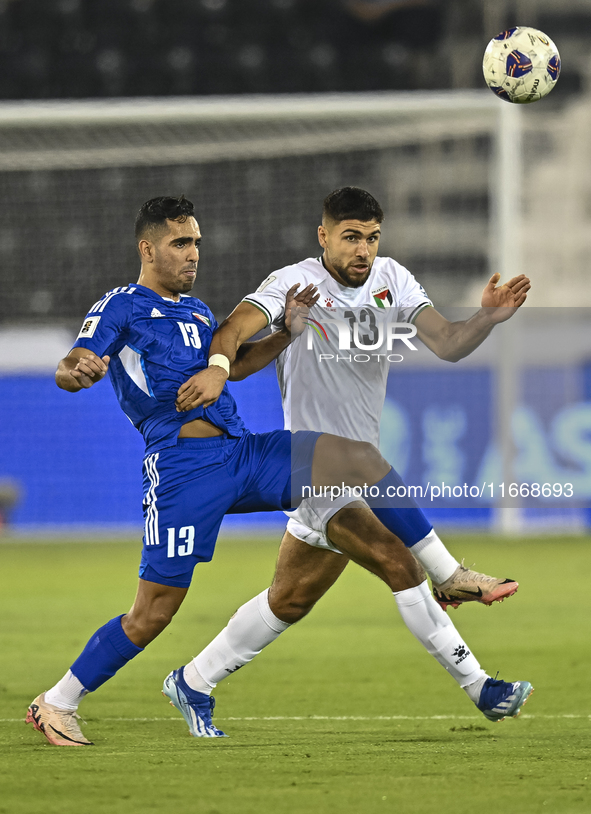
{"points": [[190, 334]]}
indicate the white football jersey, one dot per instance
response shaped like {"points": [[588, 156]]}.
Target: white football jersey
{"points": [[333, 376]]}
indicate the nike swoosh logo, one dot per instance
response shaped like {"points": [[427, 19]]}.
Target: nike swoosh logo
{"points": [[63, 735], [472, 593]]}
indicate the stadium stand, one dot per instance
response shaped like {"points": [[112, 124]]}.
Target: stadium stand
{"points": [[92, 48]]}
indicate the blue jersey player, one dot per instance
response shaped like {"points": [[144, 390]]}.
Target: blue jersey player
{"points": [[153, 338]]}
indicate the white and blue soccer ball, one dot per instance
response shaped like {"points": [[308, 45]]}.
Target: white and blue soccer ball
{"points": [[521, 65]]}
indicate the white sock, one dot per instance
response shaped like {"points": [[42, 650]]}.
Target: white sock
{"points": [[436, 632], [473, 690], [195, 680], [435, 558], [67, 693], [253, 627]]}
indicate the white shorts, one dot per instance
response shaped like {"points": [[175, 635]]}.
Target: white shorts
{"points": [[309, 521]]}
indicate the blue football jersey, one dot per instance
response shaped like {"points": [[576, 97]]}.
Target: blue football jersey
{"points": [[155, 345]]}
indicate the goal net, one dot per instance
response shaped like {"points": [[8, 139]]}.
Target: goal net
{"points": [[73, 175]]}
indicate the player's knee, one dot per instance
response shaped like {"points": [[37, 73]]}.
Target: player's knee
{"points": [[366, 462]]}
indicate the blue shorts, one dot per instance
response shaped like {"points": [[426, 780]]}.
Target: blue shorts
{"points": [[189, 488]]}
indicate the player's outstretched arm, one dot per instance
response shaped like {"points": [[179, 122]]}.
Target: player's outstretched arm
{"points": [[229, 340], [453, 341], [245, 358], [80, 369], [254, 356], [204, 388]]}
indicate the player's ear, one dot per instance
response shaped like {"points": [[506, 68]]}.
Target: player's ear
{"points": [[146, 251], [322, 236]]}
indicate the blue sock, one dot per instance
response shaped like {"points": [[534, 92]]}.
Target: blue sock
{"points": [[107, 651], [406, 521]]}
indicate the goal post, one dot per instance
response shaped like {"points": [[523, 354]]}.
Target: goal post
{"points": [[506, 251]]}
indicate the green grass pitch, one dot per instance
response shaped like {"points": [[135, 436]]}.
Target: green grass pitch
{"points": [[344, 713]]}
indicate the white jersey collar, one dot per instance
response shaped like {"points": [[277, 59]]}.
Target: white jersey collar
{"points": [[347, 292]]}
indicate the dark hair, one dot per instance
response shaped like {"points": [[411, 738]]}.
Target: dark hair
{"points": [[351, 203], [157, 211]]}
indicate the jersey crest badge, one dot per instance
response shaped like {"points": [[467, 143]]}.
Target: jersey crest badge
{"points": [[88, 327], [156, 313], [203, 319], [382, 297]]}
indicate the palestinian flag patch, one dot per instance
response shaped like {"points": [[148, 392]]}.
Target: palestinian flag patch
{"points": [[382, 297]]}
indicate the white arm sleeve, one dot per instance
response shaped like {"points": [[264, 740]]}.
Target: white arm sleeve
{"points": [[270, 295], [412, 297]]}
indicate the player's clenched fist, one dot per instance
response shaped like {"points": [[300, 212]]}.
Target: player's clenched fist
{"points": [[81, 369], [201, 390], [90, 369]]}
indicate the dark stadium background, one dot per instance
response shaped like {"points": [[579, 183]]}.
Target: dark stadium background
{"points": [[64, 49]]}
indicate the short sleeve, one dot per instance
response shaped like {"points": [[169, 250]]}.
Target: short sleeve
{"points": [[213, 320], [270, 295], [213, 323], [412, 296], [105, 326]]}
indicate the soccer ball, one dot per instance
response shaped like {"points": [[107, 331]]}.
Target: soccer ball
{"points": [[521, 65]]}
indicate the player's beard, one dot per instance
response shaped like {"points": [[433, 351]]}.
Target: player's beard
{"points": [[184, 284], [351, 279], [187, 286]]}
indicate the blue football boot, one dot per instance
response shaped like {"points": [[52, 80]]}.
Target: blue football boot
{"points": [[195, 707], [500, 699]]}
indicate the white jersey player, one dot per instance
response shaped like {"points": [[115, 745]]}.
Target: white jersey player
{"points": [[358, 286], [339, 391]]}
